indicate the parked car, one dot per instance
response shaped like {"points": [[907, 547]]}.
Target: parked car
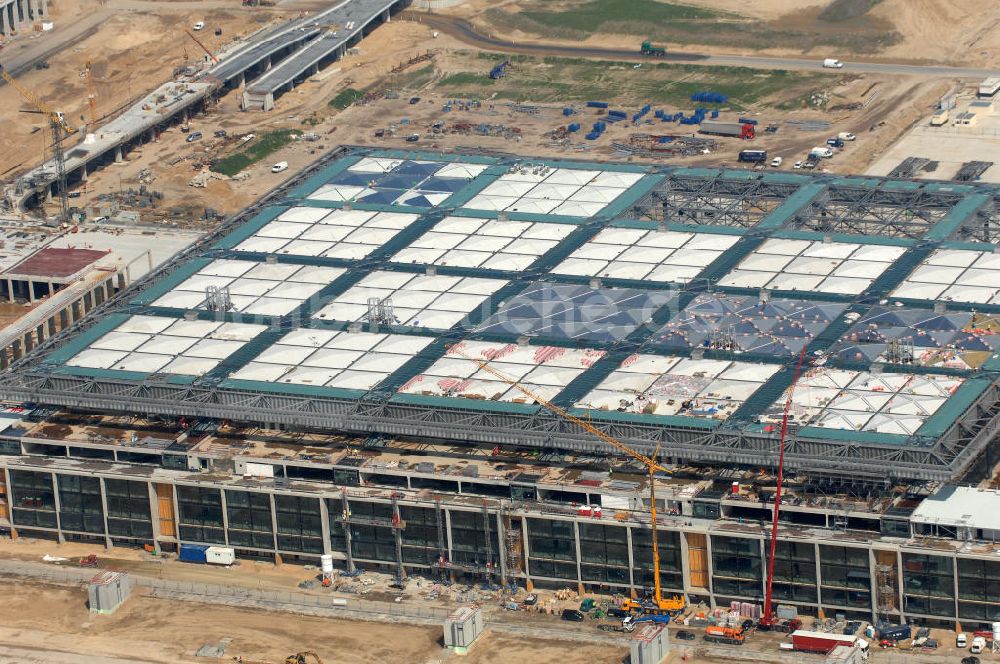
{"points": [[413, 138], [776, 162], [414, 100], [279, 167], [220, 133], [200, 25], [194, 136], [797, 164], [684, 635], [615, 612], [572, 615]]}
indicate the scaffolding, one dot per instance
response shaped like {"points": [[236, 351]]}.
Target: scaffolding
{"points": [[217, 298], [886, 593], [380, 311]]}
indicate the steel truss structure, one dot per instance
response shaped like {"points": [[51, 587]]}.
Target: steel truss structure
{"points": [[875, 211], [734, 197], [721, 200]]}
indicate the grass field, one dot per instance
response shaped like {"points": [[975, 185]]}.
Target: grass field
{"points": [[572, 79], [668, 23], [265, 145], [590, 16], [345, 98]]}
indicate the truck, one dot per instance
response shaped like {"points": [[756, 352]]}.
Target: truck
{"points": [[821, 152], [823, 642], [753, 156], [720, 634], [203, 554], [895, 632], [833, 63], [835, 142], [647, 48], [734, 129]]}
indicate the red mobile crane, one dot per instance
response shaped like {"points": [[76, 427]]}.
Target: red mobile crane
{"points": [[769, 618]]}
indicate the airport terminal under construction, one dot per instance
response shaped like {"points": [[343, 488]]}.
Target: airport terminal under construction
{"points": [[362, 364]]}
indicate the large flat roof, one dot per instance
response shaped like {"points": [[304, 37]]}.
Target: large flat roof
{"points": [[666, 305], [55, 262]]}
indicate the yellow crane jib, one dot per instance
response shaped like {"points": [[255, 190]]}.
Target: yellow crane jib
{"points": [[656, 604]]}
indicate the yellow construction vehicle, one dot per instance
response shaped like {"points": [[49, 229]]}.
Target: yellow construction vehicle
{"points": [[655, 604], [303, 658]]}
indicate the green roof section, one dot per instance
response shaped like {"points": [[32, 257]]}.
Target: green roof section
{"points": [[800, 200], [848, 435], [641, 418], [293, 389], [958, 215], [966, 394], [461, 403]]}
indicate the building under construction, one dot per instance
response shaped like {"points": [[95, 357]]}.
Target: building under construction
{"points": [[414, 361]]}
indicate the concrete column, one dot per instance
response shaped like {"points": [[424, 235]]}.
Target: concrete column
{"points": [[954, 569], [899, 585], [55, 496], [502, 557], [711, 571], [819, 582], [108, 544], [225, 516], [529, 586], [631, 561], [154, 516], [685, 563], [386, 16], [324, 525], [76, 309], [29, 342], [10, 291], [579, 572], [88, 302], [52, 326], [16, 352], [40, 332], [121, 281], [64, 318], [10, 503], [83, 173], [118, 155], [3, 20], [31, 290], [274, 530]]}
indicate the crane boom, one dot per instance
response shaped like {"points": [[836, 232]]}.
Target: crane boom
{"points": [[203, 47], [60, 129], [661, 605], [583, 424], [767, 618]]}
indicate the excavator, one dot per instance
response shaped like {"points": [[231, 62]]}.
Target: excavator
{"points": [[656, 604], [298, 658]]}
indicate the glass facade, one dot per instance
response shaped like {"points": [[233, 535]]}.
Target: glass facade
{"points": [[80, 508], [795, 572], [420, 536], [737, 565], [33, 501], [128, 509], [373, 542], [551, 548], [249, 515], [299, 524], [928, 585], [200, 514], [979, 589], [603, 554], [468, 539], [671, 574], [846, 576]]}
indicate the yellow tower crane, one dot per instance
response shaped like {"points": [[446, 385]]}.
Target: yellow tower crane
{"points": [[60, 129], [656, 604]]}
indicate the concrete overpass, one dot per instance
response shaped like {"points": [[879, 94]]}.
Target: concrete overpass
{"points": [[299, 47], [341, 27], [17, 15]]}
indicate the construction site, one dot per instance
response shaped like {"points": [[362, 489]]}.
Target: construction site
{"points": [[362, 317]]}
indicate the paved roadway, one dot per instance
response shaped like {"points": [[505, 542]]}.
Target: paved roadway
{"points": [[465, 32]]}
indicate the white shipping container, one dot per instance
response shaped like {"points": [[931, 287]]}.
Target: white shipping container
{"points": [[220, 555]]}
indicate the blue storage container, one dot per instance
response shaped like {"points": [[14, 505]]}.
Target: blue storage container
{"points": [[597, 104], [715, 114], [193, 553], [574, 127], [567, 111], [747, 121]]}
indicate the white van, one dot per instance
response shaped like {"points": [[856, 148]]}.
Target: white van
{"points": [[821, 152], [846, 136], [961, 640], [279, 167], [978, 645], [833, 63], [200, 25], [776, 162]]}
